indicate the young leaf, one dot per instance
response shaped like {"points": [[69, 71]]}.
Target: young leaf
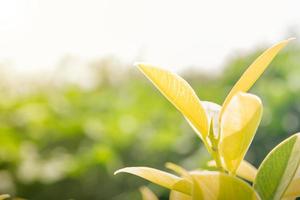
{"points": [[212, 111], [278, 169], [147, 194], [238, 126], [180, 94], [246, 170], [221, 186], [254, 71], [158, 177]]}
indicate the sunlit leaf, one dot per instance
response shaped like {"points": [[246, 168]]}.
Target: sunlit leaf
{"points": [[238, 126], [245, 170], [293, 189], [147, 194], [278, 169], [198, 190], [183, 185], [179, 170], [180, 94], [221, 186], [158, 177], [174, 195], [254, 71]]}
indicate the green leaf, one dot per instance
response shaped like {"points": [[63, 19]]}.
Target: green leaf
{"points": [[278, 169], [238, 126], [180, 94], [159, 177], [221, 186]]}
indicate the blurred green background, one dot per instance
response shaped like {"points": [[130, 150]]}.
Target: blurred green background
{"points": [[64, 140]]}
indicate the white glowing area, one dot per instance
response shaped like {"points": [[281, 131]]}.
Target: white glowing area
{"points": [[36, 34]]}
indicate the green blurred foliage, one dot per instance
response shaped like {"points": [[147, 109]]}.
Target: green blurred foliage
{"points": [[64, 141]]}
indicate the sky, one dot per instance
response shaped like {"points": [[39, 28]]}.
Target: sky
{"points": [[36, 34]]}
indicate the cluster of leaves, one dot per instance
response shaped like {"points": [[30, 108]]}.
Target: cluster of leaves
{"points": [[61, 140], [227, 132]]}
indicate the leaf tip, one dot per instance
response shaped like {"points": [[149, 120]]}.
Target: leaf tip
{"points": [[249, 95], [291, 39], [137, 64], [168, 164], [285, 42], [141, 65], [120, 171]]}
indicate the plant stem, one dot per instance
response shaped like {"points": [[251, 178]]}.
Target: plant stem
{"points": [[211, 144], [215, 154]]}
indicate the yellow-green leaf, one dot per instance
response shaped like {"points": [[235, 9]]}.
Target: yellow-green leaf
{"points": [[254, 71], [278, 170], [238, 126], [180, 94], [221, 186], [184, 185], [179, 170], [147, 194], [174, 195], [159, 177], [246, 170]]}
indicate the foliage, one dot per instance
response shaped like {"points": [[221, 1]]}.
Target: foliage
{"points": [[62, 140], [277, 176], [226, 132]]}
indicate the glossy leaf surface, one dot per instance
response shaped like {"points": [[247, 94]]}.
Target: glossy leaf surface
{"points": [[278, 169], [254, 71], [221, 186], [238, 127], [159, 177]]}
